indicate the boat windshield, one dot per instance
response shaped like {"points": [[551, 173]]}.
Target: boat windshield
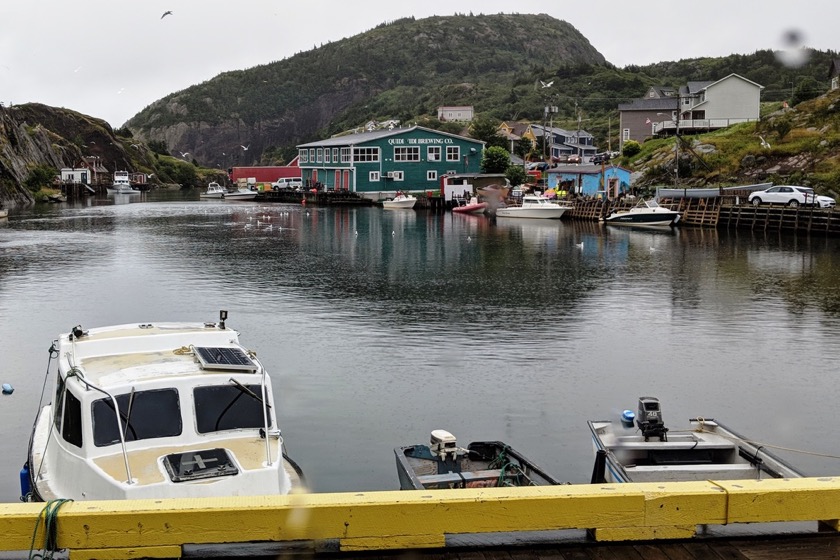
{"points": [[228, 407], [144, 415]]}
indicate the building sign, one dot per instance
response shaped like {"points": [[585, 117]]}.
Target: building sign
{"points": [[396, 141]]}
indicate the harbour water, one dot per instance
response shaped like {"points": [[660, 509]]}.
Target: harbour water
{"points": [[380, 326]]}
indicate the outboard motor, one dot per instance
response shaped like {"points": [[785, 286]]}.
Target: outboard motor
{"points": [[649, 419], [443, 445]]}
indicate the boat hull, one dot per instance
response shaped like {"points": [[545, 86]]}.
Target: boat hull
{"points": [[477, 467], [399, 204], [630, 218], [229, 196], [471, 208], [707, 450], [538, 213]]}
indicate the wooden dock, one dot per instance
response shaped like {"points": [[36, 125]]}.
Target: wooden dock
{"points": [[668, 520], [728, 213]]}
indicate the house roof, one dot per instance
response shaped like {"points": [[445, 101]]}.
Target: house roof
{"points": [[559, 131], [834, 68], [662, 91], [583, 169], [365, 137], [661, 104]]}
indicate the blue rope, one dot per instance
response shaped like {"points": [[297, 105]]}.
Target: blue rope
{"points": [[50, 513]]}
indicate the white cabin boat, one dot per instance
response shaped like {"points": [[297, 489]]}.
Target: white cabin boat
{"points": [[122, 184], [533, 206], [196, 417], [704, 450]]}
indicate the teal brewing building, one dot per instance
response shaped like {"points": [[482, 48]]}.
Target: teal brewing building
{"points": [[379, 163]]}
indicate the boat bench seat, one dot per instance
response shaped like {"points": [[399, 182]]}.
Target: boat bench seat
{"points": [[460, 480]]}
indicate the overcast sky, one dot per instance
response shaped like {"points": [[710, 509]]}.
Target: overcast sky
{"points": [[111, 58]]}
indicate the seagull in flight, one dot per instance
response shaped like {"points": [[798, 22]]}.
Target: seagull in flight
{"points": [[764, 143], [184, 154], [136, 146], [546, 85], [166, 13], [245, 147]]}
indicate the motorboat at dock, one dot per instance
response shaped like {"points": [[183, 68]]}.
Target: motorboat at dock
{"points": [[216, 191], [533, 206], [651, 452], [471, 207], [645, 213], [400, 201], [122, 184], [483, 464], [157, 410]]}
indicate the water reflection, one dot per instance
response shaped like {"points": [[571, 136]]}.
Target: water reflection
{"points": [[382, 326]]}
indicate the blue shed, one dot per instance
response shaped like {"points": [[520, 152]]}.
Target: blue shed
{"points": [[589, 180]]}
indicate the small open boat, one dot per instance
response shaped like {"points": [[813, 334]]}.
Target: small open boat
{"points": [[483, 464], [157, 410], [651, 452], [472, 207], [401, 200]]}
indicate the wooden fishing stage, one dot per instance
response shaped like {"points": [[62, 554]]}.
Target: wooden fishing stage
{"points": [[726, 212]]}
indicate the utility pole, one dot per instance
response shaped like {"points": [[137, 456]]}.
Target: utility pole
{"points": [[677, 143]]}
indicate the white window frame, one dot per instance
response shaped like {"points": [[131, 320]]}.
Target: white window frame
{"points": [[319, 157], [374, 177], [335, 155], [434, 153], [304, 155], [431, 175], [407, 153], [625, 134], [453, 153], [366, 155], [346, 155]]}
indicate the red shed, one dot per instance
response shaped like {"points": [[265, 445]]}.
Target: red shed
{"points": [[266, 174]]}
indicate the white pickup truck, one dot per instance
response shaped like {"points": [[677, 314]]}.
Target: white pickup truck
{"points": [[287, 183]]}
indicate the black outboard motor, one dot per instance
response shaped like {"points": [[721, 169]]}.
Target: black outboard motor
{"points": [[649, 419]]}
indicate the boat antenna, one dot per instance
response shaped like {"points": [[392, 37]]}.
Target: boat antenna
{"points": [[222, 318]]}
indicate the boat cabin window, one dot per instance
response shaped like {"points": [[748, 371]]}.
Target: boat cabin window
{"points": [[72, 426], [152, 414], [58, 402], [228, 407]]}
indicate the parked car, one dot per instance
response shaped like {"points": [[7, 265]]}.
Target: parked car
{"points": [[601, 158], [287, 183], [791, 195], [538, 165], [574, 158], [821, 201]]}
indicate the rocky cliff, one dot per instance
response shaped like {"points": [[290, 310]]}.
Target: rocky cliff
{"points": [[35, 135]]}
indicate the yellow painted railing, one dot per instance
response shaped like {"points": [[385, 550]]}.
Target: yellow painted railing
{"points": [[420, 519]]}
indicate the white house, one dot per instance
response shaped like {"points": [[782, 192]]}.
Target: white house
{"points": [[696, 107], [457, 114]]}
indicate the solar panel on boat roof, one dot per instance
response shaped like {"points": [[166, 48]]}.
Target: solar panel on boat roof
{"points": [[224, 358]]}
